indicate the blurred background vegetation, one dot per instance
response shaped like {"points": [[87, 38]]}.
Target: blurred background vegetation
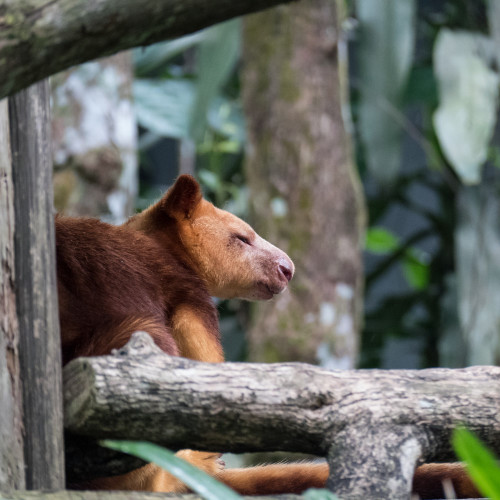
{"points": [[319, 122]]}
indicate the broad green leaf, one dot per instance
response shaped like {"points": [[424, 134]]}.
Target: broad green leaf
{"points": [[226, 118], [416, 269], [481, 463], [380, 240], [163, 106], [217, 56], [153, 58], [209, 179], [197, 480], [316, 494], [385, 52], [468, 94]]}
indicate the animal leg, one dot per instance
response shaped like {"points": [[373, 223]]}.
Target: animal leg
{"points": [[196, 335]]}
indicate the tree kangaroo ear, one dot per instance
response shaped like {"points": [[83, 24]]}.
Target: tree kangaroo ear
{"points": [[182, 198]]}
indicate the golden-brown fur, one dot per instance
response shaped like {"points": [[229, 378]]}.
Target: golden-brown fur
{"points": [[157, 273]]}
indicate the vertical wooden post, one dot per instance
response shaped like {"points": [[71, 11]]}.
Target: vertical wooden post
{"points": [[11, 438], [40, 357]]}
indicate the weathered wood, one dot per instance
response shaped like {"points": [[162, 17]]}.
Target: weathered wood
{"points": [[39, 345], [373, 424], [11, 439], [38, 39]]}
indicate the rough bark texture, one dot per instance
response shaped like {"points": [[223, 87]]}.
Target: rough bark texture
{"points": [[39, 346], [373, 425], [94, 139], [11, 439], [39, 38], [304, 190]]}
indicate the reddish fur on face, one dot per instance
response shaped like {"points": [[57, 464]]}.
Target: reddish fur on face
{"points": [[157, 273]]}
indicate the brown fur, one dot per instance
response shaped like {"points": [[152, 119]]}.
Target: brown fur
{"points": [[157, 273]]}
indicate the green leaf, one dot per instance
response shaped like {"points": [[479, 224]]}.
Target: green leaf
{"points": [[385, 53], [316, 494], [197, 480], [153, 58], [380, 240], [416, 269], [468, 94], [226, 118], [163, 106], [481, 463], [217, 56], [209, 179]]}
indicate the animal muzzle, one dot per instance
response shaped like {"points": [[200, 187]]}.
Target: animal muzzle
{"points": [[285, 269]]}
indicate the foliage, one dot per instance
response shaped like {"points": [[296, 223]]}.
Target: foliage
{"points": [[414, 261], [200, 482], [316, 494], [468, 95], [188, 90], [481, 463], [446, 112], [424, 92], [384, 53]]}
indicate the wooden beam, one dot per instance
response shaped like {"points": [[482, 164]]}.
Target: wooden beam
{"points": [[11, 438], [374, 426], [39, 347]]}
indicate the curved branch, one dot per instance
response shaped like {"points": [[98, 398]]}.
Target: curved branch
{"points": [[41, 37]]}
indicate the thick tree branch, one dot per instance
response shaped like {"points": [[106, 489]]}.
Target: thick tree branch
{"points": [[41, 37], [365, 421]]}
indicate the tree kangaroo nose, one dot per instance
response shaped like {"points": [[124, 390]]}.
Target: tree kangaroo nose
{"points": [[286, 268]]}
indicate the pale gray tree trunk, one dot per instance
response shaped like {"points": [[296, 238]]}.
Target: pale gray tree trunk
{"points": [[95, 139], [305, 192]]}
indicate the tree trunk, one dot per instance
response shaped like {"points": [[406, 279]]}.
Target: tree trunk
{"points": [[304, 189], [11, 437], [94, 139], [38, 39], [36, 300]]}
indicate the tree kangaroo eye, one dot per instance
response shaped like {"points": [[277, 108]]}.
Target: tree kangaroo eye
{"points": [[243, 239]]}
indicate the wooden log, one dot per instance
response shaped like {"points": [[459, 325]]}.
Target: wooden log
{"points": [[39, 39], [373, 425], [40, 357], [11, 438]]}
